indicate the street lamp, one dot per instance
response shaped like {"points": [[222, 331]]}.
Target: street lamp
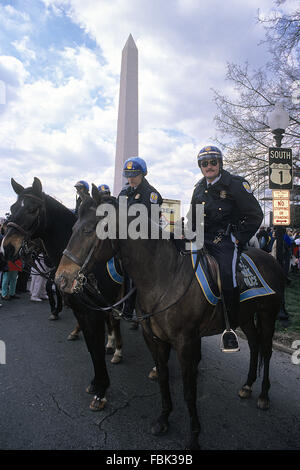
{"points": [[278, 121]]}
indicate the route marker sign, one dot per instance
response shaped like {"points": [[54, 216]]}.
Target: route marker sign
{"points": [[280, 168]]}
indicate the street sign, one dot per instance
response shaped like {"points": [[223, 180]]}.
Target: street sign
{"points": [[281, 208], [280, 168]]}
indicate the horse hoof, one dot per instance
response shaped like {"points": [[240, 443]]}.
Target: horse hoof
{"points": [[116, 359], [73, 337], [245, 392], [109, 350], [91, 389], [263, 403], [158, 428], [153, 375], [98, 403], [53, 317]]}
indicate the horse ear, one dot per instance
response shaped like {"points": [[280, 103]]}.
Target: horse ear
{"points": [[95, 194], [18, 188], [37, 186]]}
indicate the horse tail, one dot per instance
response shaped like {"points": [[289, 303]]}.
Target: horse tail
{"points": [[260, 349]]}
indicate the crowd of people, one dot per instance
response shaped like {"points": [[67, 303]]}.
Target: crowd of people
{"points": [[265, 239]]}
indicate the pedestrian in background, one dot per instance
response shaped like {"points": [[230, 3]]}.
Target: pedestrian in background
{"points": [[9, 280]]}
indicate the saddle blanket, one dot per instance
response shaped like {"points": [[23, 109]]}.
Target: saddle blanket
{"points": [[113, 273], [252, 283]]}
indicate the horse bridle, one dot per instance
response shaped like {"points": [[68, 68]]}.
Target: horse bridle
{"points": [[81, 278], [29, 233]]}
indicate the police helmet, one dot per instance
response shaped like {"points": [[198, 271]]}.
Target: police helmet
{"points": [[134, 166], [81, 184], [104, 189], [209, 152]]}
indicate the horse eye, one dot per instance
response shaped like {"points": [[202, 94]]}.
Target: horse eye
{"points": [[31, 210]]}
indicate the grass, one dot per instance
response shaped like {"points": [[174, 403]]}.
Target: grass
{"points": [[288, 331]]}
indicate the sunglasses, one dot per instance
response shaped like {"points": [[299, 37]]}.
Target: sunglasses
{"points": [[205, 163]]}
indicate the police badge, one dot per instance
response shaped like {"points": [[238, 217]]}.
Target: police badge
{"points": [[153, 198], [137, 196], [223, 194]]}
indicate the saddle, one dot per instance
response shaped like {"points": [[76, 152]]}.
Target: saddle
{"points": [[249, 279]]}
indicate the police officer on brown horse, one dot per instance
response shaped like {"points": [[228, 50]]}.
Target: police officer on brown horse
{"points": [[137, 191], [232, 215]]}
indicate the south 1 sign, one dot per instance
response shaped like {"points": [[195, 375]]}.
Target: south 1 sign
{"points": [[280, 168]]}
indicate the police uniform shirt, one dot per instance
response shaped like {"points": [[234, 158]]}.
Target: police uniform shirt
{"points": [[228, 201], [144, 193]]}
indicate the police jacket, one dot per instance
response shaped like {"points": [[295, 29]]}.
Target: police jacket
{"points": [[228, 201], [144, 193]]}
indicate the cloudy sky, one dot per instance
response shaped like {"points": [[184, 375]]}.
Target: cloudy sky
{"points": [[59, 86]]}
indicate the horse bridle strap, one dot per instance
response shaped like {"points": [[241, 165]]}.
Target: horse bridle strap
{"points": [[18, 227], [77, 261]]}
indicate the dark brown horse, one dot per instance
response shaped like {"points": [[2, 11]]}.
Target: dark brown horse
{"points": [[177, 310], [37, 215]]}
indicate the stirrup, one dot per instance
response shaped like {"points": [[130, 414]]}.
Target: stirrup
{"points": [[232, 343]]}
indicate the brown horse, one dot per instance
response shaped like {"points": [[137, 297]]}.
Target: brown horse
{"points": [[36, 215], [174, 311]]}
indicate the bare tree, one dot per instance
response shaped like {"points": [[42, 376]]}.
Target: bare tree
{"points": [[242, 118]]}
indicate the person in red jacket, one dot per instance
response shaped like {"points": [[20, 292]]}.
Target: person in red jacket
{"points": [[9, 280]]}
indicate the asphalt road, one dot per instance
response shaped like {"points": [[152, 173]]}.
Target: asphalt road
{"points": [[43, 403]]}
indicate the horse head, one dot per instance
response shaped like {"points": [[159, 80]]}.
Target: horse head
{"points": [[82, 250], [26, 220]]}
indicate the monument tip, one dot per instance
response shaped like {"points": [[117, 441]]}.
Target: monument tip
{"points": [[130, 42]]}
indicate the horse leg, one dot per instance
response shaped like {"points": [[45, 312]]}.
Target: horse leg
{"points": [[253, 341], [75, 333], [117, 357], [110, 345], [160, 352], [189, 355], [93, 329], [267, 327]]}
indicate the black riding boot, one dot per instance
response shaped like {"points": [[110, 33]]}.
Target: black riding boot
{"points": [[229, 340]]}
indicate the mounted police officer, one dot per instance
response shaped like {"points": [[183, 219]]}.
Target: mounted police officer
{"points": [[137, 191], [104, 189], [82, 187], [232, 216]]}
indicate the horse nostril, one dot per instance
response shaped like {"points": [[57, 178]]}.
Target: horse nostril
{"points": [[62, 281]]}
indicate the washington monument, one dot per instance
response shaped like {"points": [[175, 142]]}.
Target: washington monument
{"points": [[128, 126]]}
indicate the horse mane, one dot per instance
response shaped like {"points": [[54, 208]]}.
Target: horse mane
{"points": [[60, 210]]}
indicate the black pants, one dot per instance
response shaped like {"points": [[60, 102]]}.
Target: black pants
{"points": [[227, 253]]}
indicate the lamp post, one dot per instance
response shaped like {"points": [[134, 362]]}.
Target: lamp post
{"points": [[278, 121]]}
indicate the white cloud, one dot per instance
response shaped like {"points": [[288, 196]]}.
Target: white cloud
{"points": [[60, 119]]}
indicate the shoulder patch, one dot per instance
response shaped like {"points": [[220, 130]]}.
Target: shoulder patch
{"points": [[153, 198], [247, 187]]}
